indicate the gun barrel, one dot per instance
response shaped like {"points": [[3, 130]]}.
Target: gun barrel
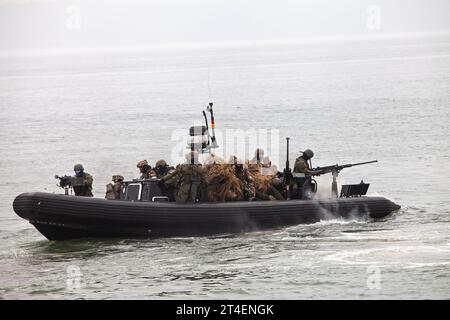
{"points": [[361, 163], [337, 168]]}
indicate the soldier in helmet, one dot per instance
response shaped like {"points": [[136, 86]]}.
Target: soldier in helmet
{"points": [[161, 169], [113, 191], [188, 177], [145, 169], [302, 164], [303, 187], [81, 182]]}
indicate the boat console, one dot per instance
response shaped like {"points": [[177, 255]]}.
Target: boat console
{"points": [[144, 190]]}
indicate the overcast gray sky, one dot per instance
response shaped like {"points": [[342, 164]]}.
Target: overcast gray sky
{"points": [[43, 24]]}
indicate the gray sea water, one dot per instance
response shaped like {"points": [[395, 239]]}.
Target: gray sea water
{"points": [[385, 99]]}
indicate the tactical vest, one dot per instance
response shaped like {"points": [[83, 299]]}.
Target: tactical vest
{"points": [[300, 163], [80, 187]]}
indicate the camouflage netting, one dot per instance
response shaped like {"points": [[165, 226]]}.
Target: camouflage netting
{"points": [[253, 168], [261, 182], [223, 185], [213, 159]]}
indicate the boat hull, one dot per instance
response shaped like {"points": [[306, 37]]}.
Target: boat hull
{"points": [[61, 217]]}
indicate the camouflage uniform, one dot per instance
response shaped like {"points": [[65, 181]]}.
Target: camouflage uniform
{"points": [[113, 191], [145, 169], [82, 186], [221, 183], [161, 169], [187, 178], [272, 191], [302, 188], [302, 166], [265, 187], [254, 168]]}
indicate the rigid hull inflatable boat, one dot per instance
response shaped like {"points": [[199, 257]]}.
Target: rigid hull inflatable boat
{"points": [[61, 217], [146, 209]]}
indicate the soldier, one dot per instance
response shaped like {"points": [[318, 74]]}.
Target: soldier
{"points": [[81, 182], [145, 169], [161, 169], [188, 177], [266, 187], [273, 191], [302, 164], [303, 187], [247, 187], [222, 183], [113, 191]]}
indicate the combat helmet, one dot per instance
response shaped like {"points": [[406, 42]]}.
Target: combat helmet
{"points": [[117, 178], [142, 163], [160, 163], [308, 154], [78, 167]]}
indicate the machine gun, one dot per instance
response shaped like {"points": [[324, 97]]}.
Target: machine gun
{"points": [[335, 169], [65, 182]]}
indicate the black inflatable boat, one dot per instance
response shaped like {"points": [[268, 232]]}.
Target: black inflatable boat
{"points": [[60, 217], [147, 209]]}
